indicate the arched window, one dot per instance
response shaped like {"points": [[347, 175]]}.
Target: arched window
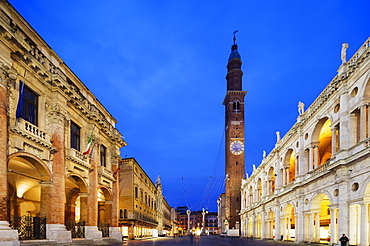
{"points": [[125, 213], [121, 213], [236, 106]]}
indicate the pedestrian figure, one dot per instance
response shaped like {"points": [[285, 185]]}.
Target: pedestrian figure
{"points": [[343, 240], [191, 236]]}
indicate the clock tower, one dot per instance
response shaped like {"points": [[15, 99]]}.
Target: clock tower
{"points": [[234, 138]]}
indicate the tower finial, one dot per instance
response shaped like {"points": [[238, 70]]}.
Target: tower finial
{"points": [[235, 36]]}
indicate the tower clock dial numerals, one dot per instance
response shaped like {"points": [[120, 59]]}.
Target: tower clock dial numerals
{"points": [[237, 147]]}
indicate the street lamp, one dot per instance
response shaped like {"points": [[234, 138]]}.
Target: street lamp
{"points": [[204, 225], [188, 213]]}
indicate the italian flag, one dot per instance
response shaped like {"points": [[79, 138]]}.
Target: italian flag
{"points": [[88, 147]]}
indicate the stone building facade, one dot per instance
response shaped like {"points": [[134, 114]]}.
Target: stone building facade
{"points": [[143, 210], [195, 222], [47, 118], [315, 184]]}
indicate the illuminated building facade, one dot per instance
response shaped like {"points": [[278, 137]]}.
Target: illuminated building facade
{"points": [[196, 222], [48, 117], [315, 184], [143, 210]]}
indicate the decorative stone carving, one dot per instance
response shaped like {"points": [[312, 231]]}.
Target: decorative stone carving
{"points": [[343, 54]]}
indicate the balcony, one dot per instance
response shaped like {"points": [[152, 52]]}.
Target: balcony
{"points": [[77, 157], [32, 132]]}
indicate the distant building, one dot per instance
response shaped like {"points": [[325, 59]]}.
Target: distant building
{"points": [[315, 184], [143, 210], [196, 221], [211, 226], [59, 146]]}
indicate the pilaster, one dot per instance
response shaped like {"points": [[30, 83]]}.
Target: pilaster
{"points": [[6, 233], [56, 230]]}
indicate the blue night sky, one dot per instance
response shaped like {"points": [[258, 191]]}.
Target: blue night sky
{"points": [[159, 68]]}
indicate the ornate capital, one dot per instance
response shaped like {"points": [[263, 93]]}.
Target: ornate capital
{"points": [[55, 115], [6, 74]]}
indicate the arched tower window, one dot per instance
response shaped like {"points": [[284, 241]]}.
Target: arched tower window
{"points": [[236, 106]]}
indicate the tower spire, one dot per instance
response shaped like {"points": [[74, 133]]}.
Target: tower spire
{"points": [[235, 36], [234, 48]]}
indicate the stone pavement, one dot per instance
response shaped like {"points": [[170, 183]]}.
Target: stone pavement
{"points": [[212, 240]]}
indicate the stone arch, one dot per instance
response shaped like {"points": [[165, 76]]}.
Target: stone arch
{"points": [[250, 196], [271, 179], [76, 190], [270, 227], [366, 89], [29, 179], [104, 205], [322, 141], [288, 225], [250, 227], [259, 189], [259, 226], [290, 166], [320, 209]]}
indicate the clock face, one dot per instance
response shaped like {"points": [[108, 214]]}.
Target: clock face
{"points": [[237, 147]]}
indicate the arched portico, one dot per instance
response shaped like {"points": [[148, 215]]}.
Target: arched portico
{"points": [[320, 219], [29, 181], [104, 205], [76, 201], [322, 142], [270, 225], [288, 222]]}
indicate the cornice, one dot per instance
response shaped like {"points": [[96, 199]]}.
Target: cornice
{"points": [[233, 93]]}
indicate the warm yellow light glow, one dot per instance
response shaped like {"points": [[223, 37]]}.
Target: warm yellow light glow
{"points": [[101, 197], [325, 142], [21, 189]]}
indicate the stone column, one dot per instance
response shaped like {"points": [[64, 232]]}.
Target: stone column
{"points": [[284, 177], [91, 229], [310, 159], [277, 222], [353, 130], [311, 230], [333, 140], [306, 237], [45, 200], [296, 170], [317, 226], [363, 122], [299, 224], [287, 179], [343, 209], [332, 226], [254, 224], [263, 226], [315, 156], [114, 231], [55, 229], [6, 234]]}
